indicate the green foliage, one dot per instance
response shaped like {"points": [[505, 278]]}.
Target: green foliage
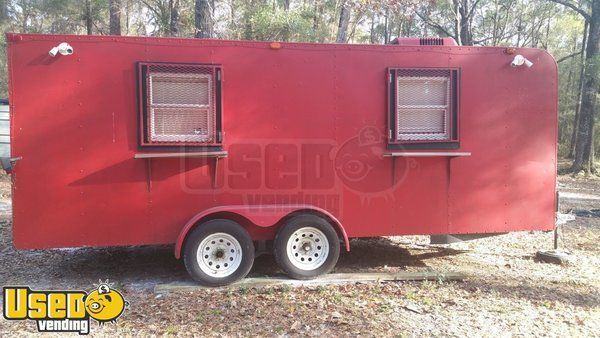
{"points": [[264, 23], [564, 39]]}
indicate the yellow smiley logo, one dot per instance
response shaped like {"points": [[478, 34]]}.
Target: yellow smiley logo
{"points": [[104, 306]]}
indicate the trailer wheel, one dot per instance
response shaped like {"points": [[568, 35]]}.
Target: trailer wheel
{"points": [[218, 252], [306, 246]]}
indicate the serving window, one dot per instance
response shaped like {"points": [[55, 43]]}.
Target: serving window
{"points": [[180, 104], [423, 108]]}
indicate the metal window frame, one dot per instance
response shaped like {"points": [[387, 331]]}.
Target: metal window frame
{"points": [[452, 141], [145, 110]]}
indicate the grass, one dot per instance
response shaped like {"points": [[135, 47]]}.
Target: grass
{"points": [[419, 298], [171, 330]]}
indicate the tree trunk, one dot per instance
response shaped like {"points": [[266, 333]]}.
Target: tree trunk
{"points": [[115, 17], [88, 17], [372, 29], [457, 25], [579, 90], [464, 13], [519, 31], [315, 17], [593, 153], [583, 145], [343, 25], [174, 18], [127, 16], [3, 11], [203, 19], [232, 12], [386, 31]]}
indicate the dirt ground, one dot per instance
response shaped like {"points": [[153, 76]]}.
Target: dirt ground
{"points": [[508, 292]]}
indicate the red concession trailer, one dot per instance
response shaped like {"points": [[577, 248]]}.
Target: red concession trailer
{"points": [[216, 146]]}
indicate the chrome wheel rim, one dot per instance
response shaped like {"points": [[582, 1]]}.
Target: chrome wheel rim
{"points": [[307, 248], [219, 255]]}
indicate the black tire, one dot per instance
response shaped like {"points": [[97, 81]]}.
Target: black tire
{"points": [[212, 227], [288, 229]]}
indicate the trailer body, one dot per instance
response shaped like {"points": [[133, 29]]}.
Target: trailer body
{"points": [[301, 126]]}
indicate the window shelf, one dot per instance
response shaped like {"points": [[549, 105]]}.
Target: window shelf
{"points": [[217, 154], [427, 154], [449, 155]]}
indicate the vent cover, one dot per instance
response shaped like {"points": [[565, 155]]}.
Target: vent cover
{"points": [[179, 103], [431, 41], [423, 104], [424, 42]]}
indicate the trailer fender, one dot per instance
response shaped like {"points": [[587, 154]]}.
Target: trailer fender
{"points": [[260, 215]]}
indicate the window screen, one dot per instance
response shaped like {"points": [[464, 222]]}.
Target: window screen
{"points": [[180, 103], [423, 105]]}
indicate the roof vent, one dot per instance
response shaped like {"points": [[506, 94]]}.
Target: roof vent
{"points": [[431, 41], [424, 42]]}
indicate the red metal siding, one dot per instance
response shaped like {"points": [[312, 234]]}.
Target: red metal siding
{"points": [[294, 119]]}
